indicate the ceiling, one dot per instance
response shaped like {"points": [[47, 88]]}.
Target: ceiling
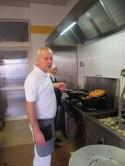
{"points": [[26, 3]]}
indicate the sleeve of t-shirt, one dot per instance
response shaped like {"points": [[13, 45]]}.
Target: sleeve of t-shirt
{"points": [[30, 90]]}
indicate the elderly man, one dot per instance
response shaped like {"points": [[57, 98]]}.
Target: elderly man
{"points": [[41, 106]]}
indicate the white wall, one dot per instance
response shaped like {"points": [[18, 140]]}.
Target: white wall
{"points": [[70, 5], [43, 15], [38, 15], [14, 12], [104, 57], [46, 15]]}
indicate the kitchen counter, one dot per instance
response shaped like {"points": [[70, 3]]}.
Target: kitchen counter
{"points": [[83, 112], [98, 132], [95, 131]]}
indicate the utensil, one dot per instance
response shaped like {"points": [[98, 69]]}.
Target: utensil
{"points": [[75, 91]]}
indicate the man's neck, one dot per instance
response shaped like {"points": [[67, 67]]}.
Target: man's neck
{"points": [[41, 68]]}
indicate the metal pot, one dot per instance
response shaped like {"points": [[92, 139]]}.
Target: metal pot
{"points": [[98, 155]]}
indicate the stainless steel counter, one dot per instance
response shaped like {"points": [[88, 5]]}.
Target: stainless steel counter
{"points": [[94, 131], [98, 133]]}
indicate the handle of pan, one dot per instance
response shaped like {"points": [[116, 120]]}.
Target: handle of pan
{"points": [[82, 92]]}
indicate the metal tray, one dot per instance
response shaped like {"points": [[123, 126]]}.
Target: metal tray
{"points": [[98, 155]]}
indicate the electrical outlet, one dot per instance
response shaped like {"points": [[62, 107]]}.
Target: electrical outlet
{"points": [[82, 64]]}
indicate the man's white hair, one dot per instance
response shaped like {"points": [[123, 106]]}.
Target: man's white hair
{"points": [[54, 66], [41, 51]]}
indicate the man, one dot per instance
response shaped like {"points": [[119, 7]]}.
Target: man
{"points": [[41, 106], [52, 73]]}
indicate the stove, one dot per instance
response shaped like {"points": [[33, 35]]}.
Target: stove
{"points": [[76, 110], [80, 105], [77, 104], [110, 85]]}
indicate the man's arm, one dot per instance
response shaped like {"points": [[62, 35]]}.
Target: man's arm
{"points": [[38, 136], [60, 85]]}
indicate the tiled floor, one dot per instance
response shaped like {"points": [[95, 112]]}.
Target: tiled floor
{"points": [[15, 133], [16, 146], [22, 155]]}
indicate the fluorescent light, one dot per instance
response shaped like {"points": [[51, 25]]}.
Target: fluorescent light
{"points": [[69, 27]]}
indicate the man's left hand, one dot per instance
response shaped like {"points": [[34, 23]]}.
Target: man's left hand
{"points": [[61, 86]]}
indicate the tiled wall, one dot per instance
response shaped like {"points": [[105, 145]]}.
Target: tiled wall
{"points": [[105, 57]]}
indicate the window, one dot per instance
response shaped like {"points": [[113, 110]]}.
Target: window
{"points": [[12, 31]]}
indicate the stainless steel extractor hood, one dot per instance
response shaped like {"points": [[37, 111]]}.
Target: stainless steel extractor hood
{"points": [[103, 18], [74, 35], [94, 19]]}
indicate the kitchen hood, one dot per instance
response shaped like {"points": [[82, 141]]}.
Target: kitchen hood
{"points": [[91, 19]]}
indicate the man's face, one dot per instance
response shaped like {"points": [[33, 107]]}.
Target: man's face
{"points": [[45, 61], [54, 71]]}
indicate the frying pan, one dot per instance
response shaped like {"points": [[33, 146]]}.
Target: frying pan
{"points": [[76, 94], [98, 155], [95, 102]]}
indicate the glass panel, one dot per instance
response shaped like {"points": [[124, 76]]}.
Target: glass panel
{"points": [[14, 31], [117, 10], [13, 68]]}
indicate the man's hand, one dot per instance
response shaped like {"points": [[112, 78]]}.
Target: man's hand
{"points": [[60, 85], [39, 137]]}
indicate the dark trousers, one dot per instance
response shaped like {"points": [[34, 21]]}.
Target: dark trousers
{"points": [[60, 119]]}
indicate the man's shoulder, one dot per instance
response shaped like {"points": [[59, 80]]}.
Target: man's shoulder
{"points": [[31, 78]]}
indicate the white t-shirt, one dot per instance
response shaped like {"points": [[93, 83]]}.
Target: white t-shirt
{"points": [[39, 89], [53, 78]]}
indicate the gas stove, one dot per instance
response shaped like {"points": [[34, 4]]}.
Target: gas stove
{"points": [[80, 105], [96, 110], [110, 85]]}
